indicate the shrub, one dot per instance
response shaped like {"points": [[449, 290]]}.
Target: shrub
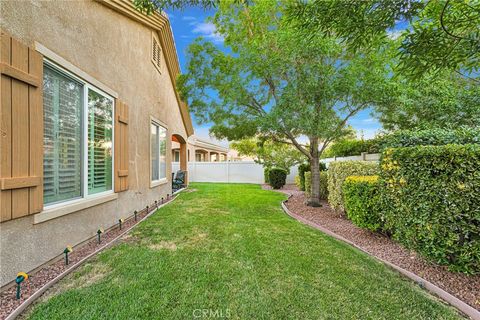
{"points": [[277, 177], [351, 147], [361, 195], [323, 184], [266, 175], [435, 137], [338, 171], [431, 202], [302, 168]]}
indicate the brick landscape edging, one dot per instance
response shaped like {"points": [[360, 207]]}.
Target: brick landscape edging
{"points": [[442, 294], [37, 294]]}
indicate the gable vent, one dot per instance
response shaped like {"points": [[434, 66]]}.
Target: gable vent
{"points": [[156, 53]]}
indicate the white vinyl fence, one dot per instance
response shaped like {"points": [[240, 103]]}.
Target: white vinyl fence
{"points": [[237, 171], [247, 171]]}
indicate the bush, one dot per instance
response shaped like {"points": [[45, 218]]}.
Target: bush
{"points": [[431, 202], [338, 171], [323, 184], [361, 195], [434, 137], [266, 175], [351, 147], [302, 168], [277, 177]]}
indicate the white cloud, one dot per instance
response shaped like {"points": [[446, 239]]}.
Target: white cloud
{"points": [[207, 30], [394, 34], [189, 18]]}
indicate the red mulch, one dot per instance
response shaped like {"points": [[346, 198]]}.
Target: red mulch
{"points": [[36, 280], [465, 287]]}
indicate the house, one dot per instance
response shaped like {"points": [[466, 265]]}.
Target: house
{"points": [[88, 114], [200, 150]]}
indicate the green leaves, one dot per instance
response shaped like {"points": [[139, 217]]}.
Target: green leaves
{"points": [[430, 202]]}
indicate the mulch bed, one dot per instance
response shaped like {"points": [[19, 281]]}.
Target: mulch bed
{"points": [[462, 286], [36, 280]]}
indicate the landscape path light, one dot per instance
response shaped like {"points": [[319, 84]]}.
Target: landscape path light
{"points": [[67, 250], [21, 276], [99, 232], [120, 221], [135, 213]]}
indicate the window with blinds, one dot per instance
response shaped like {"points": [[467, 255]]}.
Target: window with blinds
{"points": [[62, 161], [78, 138], [158, 150], [100, 125]]}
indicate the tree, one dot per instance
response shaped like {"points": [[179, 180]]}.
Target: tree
{"points": [[443, 34], [275, 83], [433, 101], [269, 153], [150, 6]]}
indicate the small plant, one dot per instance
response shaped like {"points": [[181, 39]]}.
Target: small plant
{"points": [[277, 177], [266, 177]]}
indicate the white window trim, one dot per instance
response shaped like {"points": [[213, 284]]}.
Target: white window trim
{"points": [[61, 62], [86, 198], [156, 183]]}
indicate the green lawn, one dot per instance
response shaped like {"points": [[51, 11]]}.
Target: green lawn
{"points": [[229, 251]]}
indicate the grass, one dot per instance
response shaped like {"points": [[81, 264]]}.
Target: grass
{"points": [[229, 251]]}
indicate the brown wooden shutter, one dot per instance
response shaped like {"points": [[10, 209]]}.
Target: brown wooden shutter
{"points": [[21, 125], [121, 146]]}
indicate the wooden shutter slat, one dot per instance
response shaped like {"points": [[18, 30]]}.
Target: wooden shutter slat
{"points": [[20, 75], [121, 146], [21, 118]]}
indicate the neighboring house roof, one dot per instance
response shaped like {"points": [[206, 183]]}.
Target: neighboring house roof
{"points": [[206, 144], [161, 24]]}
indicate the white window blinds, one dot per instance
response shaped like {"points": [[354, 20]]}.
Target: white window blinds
{"points": [[100, 132], [62, 162]]}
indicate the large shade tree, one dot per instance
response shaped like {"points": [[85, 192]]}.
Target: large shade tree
{"points": [[272, 81]]}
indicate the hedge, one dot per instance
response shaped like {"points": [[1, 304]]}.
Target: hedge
{"points": [[431, 200], [277, 177], [361, 195], [302, 168], [434, 137], [266, 175], [323, 184], [338, 171], [352, 147]]}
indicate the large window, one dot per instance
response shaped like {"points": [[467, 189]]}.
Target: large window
{"points": [[158, 141], [78, 131]]}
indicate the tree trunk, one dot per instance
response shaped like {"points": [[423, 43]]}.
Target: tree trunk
{"points": [[314, 200]]}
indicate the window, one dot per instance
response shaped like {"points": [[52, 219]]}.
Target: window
{"points": [[78, 131], [176, 156], [158, 142]]}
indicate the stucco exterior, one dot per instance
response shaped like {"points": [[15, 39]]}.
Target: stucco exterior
{"points": [[116, 51]]}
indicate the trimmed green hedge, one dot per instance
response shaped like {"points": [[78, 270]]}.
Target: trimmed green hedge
{"points": [[323, 184], [302, 168], [352, 147], [339, 171], [277, 177], [361, 195], [431, 201], [434, 137]]}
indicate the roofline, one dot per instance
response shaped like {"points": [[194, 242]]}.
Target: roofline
{"points": [[160, 23], [209, 145]]}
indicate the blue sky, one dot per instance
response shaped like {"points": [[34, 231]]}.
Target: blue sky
{"points": [[191, 23]]}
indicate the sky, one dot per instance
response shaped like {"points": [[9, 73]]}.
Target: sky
{"points": [[191, 23]]}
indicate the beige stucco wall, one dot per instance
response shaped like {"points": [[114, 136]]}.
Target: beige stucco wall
{"points": [[115, 51]]}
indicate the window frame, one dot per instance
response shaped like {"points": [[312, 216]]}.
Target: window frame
{"points": [[84, 174], [160, 181]]}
